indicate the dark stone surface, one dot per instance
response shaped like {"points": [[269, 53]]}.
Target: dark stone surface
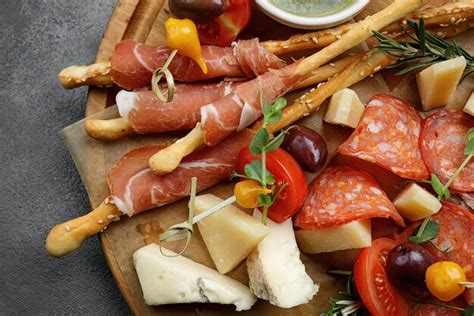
{"points": [[39, 185]]}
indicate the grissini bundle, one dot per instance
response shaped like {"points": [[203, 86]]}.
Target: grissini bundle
{"points": [[242, 107], [143, 113], [134, 188], [102, 73]]}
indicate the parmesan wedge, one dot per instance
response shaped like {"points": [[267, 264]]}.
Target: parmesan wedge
{"points": [[438, 82], [275, 270], [230, 234], [169, 278], [353, 235], [469, 107], [415, 203], [344, 109]]}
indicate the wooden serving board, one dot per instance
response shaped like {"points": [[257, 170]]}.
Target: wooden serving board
{"points": [[93, 159]]}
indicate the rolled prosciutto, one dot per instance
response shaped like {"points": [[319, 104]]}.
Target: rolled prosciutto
{"points": [[135, 188], [133, 63]]}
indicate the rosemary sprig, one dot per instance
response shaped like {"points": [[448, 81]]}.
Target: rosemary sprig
{"points": [[423, 50], [349, 302]]}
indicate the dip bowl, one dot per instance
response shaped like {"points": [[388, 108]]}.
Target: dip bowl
{"points": [[308, 22]]}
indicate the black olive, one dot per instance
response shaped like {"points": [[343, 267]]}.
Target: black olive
{"points": [[407, 264], [307, 147], [197, 10]]}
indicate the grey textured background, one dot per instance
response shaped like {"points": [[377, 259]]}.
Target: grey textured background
{"points": [[39, 185]]}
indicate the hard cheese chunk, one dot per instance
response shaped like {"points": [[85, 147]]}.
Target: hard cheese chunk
{"points": [[175, 279], [353, 235], [275, 270], [344, 109], [230, 234], [438, 82], [415, 203], [469, 107]]}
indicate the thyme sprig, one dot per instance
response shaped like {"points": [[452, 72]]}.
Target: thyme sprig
{"points": [[423, 50], [348, 303]]}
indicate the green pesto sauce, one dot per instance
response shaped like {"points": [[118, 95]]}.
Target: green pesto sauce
{"points": [[311, 8]]}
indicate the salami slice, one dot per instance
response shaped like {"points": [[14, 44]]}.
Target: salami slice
{"points": [[388, 135], [443, 139], [341, 195]]}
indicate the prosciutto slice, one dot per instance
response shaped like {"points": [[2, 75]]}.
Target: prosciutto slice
{"points": [[242, 107], [133, 63], [148, 114], [135, 188]]}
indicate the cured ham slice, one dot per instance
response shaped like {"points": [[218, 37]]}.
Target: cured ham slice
{"points": [[242, 107], [133, 63], [341, 195], [135, 188], [388, 135], [456, 227], [443, 139], [148, 114]]}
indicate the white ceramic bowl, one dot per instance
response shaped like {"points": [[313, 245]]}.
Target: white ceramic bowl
{"points": [[311, 23]]}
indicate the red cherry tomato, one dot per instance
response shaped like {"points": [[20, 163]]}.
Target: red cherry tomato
{"points": [[379, 296], [284, 169], [223, 30]]}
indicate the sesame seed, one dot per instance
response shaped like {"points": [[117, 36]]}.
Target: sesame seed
{"points": [[452, 20], [444, 25], [319, 85], [315, 40], [110, 216], [456, 10], [338, 36], [67, 228], [371, 75], [361, 73], [100, 221], [385, 32], [332, 64], [285, 46], [377, 68], [306, 114]]}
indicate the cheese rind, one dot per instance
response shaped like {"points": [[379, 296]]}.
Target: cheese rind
{"points": [[469, 107], [344, 109], [415, 203], [229, 234], [437, 83], [275, 270], [352, 235], [170, 278]]}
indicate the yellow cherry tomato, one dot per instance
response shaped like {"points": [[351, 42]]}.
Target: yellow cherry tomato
{"points": [[182, 35], [442, 279], [247, 191]]}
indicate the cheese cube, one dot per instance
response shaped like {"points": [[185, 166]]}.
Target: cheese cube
{"points": [[415, 203], [275, 270], [437, 83], [353, 235], [230, 234], [344, 109], [469, 107], [169, 278]]}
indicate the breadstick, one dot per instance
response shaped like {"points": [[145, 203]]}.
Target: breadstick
{"points": [[446, 15], [360, 33], [118, 128], [69, 236]]}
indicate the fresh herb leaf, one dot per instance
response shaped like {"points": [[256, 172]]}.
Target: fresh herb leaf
{"points": [[259, 141], [275, 143], [424, 50], [426, 232], [468, 311], [253, 171], [272, 113], [439, 188], [265, 200], [348, 304], [469, 149]]}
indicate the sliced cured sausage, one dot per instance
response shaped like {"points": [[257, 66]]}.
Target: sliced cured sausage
{"points": [[133, 63], [443, 139], [388, 135], [341, 195]]}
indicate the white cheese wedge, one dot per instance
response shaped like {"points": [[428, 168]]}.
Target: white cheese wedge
{"points": [[352, 235], [230, 234], [275, 270], [344, 109], [173, 279], [437, 83], [469, 107], [415, 203]]}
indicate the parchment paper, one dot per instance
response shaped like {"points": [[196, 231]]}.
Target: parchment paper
{"points": [[93, 160]]}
